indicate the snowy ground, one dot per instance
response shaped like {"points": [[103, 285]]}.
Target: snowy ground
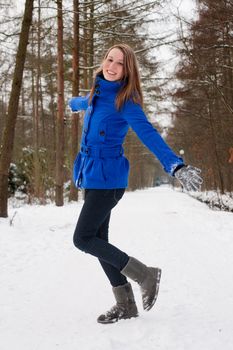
{"points": [[51, 293]]}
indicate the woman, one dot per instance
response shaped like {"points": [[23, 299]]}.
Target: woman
{"points": [[115, 103]]}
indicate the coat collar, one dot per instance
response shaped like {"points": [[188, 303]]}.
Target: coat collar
{"points": [[106, 87]]}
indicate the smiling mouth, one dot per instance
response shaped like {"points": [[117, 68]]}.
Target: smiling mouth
{"points": [[111, 73]]}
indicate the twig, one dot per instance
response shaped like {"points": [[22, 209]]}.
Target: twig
{"points": [[11, 220]]}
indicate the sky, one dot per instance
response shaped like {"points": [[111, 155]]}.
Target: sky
{"points": [[166, 56], [186, 9]]}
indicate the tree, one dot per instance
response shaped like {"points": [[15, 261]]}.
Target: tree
{"points": [[75, 92], [60, 109], [9, 130], [204, 101]]}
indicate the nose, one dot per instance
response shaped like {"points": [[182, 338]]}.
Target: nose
{"points": [[112, 65]]}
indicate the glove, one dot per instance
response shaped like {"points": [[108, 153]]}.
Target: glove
{"points": [[72, 106], [189, 177], [79, 103]]}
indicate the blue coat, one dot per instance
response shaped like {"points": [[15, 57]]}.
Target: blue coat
{"points": [[101, 164]]}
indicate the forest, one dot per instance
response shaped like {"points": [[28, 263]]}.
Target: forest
{"points": [[49, 51]]}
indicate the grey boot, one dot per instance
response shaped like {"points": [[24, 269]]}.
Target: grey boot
{"points": [[125, 305], [147, 277]]}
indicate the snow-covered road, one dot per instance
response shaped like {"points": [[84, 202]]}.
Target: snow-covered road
{"points": [[51, 293]]}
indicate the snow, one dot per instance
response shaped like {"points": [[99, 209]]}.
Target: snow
{"points": [[51, 293], [216, 200]]}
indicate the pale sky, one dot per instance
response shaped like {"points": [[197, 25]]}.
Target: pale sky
{"points": [[186, 10], [166, 55]]}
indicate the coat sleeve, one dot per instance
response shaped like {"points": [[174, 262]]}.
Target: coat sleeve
{"points": [[150, 137], [79, 103]]}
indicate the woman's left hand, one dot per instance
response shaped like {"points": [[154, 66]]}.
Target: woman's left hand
{"points": [[189, 177]]}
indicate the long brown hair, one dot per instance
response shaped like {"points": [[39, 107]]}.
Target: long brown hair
{"points": [[132, 87]]}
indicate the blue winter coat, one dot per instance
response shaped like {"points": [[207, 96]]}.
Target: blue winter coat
{"points": [[101, 164]]}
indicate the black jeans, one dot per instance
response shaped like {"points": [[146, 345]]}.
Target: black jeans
{"points": [[91, 233]]}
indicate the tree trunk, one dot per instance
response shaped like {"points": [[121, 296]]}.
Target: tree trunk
{"points": [[75, 92], [37, 169], [91, 42], [60, 111], [9, 130], [85, 46]]}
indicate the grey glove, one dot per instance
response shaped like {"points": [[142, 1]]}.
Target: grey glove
{"points": [[189, 177]]}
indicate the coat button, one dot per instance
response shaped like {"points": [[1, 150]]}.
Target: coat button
{"points": [[102, 133], [97, 91]]}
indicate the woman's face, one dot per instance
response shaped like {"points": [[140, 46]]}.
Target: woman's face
{"points": [[113, 65]]}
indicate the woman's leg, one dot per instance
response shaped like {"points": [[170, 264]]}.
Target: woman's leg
{"points": [[97, 206], [115, 277]]}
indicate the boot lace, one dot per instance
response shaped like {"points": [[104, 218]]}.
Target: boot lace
{"points": [[115, 310]]}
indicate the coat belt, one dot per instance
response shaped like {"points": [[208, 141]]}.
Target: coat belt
{"points": [[101, 151]]}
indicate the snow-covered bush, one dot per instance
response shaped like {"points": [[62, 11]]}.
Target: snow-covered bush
{"points": [[17, 180], [31, 174]]}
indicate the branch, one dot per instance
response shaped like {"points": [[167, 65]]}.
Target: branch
{"points": [[9, 35], [211, 80], [157, 45]]}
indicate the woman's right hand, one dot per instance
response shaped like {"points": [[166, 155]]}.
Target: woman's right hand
{"points": [[73, 105], [79, 103]]}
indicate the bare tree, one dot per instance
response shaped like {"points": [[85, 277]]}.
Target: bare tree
{"points": [[75, 91], [60, 109], [9, 131]]}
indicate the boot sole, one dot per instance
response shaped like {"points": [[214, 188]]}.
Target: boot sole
{"points": [[116, 319], [158, 278]]}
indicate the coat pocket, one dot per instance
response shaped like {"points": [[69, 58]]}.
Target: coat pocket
{"points": [[116, 169]]}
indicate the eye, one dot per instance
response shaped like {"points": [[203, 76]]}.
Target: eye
{"points": [[109, 59]]}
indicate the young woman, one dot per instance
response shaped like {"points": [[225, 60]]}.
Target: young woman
{"points": [[113, 105]]}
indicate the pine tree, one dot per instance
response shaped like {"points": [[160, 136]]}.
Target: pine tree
{"points": [[205, 106]]}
